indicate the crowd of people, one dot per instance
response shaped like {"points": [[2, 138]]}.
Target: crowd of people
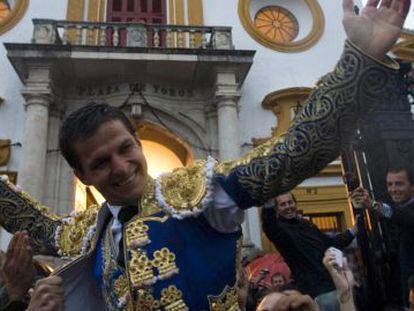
{"points": [[174, 243]]}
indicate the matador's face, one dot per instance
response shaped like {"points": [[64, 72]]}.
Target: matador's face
{"points": [[112, 161]]}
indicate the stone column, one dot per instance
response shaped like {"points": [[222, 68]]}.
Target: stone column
{"points": [[227, 95], [212, 128], [34, 142]]}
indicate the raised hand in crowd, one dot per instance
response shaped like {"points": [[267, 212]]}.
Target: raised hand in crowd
{"points": [[376, 28], [18, 271], [343, 280], [289, 300], [48, 295], [360, 198]]}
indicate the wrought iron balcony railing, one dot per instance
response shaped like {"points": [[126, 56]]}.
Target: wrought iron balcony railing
{"points": [[47, 31]]}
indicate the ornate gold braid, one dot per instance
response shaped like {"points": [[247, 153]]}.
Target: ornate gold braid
{"points": [[357, 83], [19, 212]]}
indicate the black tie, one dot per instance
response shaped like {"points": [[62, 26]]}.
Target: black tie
{"points": [[125, 215]]}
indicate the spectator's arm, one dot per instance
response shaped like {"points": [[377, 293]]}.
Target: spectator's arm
{"points": [[18, 270], [339, 240], [48, 295], [343, 280], [272, 228]]}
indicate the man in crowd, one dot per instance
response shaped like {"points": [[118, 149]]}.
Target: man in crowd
{"points": [[400, 187], [172, 243], [302, 245]]}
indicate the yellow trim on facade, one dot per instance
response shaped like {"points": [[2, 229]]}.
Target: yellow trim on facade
{"points": [[93, 11], [15, 15], [5, 151], [75, 10], [179, 12], [195, 16], [195, 12], [102, 13], [404, 49], [312, 38], [171, 13], [282, 101]]}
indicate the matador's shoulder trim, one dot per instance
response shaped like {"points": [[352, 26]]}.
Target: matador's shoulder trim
{"points": [[186, 191], [73, 237]]}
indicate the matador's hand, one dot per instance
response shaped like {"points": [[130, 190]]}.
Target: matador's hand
{"points": [[377, 27]]}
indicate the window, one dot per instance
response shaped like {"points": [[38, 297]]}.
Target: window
{"points": [[137, 11], [291, 27], [277, 24]]}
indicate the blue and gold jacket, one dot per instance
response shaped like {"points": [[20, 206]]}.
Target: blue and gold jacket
{"points": [[174, 259]]}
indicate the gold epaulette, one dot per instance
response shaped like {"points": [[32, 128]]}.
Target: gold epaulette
{"points": [[74, 236], [186, 191]]}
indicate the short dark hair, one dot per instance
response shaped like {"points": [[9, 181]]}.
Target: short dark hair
{"points": [[291, 193], [83, 123], [407, 169]]}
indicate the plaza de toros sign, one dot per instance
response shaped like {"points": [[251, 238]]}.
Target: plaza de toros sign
{"points": [[133, 88]]}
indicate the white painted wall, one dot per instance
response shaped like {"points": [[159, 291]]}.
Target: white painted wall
{"points": [[12, 111], [12, 114]]}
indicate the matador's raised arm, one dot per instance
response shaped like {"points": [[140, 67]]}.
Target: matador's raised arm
{"points": [[356, 84]]}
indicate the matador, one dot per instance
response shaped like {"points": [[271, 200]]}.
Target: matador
{"points": [[179, 249]]}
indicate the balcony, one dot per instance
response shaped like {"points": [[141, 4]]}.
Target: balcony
{"points": [[89, 52], [48, 31]]}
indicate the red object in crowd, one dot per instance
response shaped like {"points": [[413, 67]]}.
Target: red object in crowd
{"points": [[271, 262]]}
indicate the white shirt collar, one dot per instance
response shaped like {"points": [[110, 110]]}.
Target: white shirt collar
{"points": [[114, 209]]}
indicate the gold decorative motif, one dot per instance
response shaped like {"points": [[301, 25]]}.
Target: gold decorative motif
{"points": [[184, 188], [172, 299], [145, 301], [75, 230], [137, 234], [18, 211], [148, 204], [262, 150], [116, 291], [226, 301], [4, 151], [140, 269], [121, 286], [164, 261]]}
